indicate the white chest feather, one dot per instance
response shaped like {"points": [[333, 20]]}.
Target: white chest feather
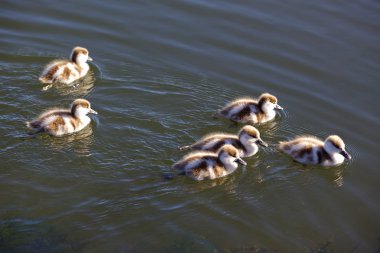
{"points": [[336, 159], [270, 115], [84, 121], [250, 149]]}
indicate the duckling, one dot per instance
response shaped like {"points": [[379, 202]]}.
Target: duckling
{"points": [[250, 110], [245, 141], [67, 71], [311, 150], [201, 165], [58, 122]]}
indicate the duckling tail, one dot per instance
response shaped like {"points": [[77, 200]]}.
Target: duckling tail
{"points": [[44, 79], [32, 125], [216, 114], [283, 146], [185, 147]]}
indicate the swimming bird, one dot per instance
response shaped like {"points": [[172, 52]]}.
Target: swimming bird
{"points": [[245, 141], [311, 150], [201, 165], [58, 122], [251, 110], [67, 71]]}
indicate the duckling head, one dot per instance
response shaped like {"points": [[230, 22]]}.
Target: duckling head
{"points": [[334, 144], [268, 102], [228, 154], [81, 107], [80, 55], [250, 134]]}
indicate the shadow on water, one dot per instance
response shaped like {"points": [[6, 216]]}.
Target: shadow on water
{"points": [[20, 235]]}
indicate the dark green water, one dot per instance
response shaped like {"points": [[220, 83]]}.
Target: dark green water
{"points": [[162, 68]]}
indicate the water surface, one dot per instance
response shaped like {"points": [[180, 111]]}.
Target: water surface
{"points": [[161, 69]]}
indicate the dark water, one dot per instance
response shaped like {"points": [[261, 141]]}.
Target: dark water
{"points": [[162, 68]]}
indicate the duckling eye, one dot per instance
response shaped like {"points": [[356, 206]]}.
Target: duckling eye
{"points": [[338, 147]]}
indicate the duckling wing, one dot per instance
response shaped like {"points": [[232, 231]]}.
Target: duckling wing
{"points": [[236, 105], [303, 150], [52, 71], [47, 117], [299, 143], [214, 141], [192, 160]]}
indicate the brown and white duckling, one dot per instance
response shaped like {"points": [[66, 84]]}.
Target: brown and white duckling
{"points": [[201, 165], [245, 141], [58, 122], [250, 110], [67, 71], [311, 150]]}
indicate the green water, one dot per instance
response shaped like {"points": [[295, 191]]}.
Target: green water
{"points": [[162, 68]]}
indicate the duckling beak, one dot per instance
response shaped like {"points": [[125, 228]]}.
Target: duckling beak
{"points": [[89, 59], [262, 143], [93, 111], [240, 161], [278, 107], [345, 154]]}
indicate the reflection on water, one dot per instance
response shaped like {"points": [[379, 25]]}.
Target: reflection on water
{"points": [[333, 175], [77, 89], [227, 182], [338, 180], [80, 142], [255, 169]]}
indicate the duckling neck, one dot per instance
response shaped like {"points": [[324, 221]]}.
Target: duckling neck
{"points": [[250, 148], [337, 158], [80, 116], [248, 145], [83, 66], [230, 166], [267, 109], [332, 158], [269, 113]]}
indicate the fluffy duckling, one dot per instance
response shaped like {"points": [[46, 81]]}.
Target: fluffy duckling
{"points": [[245, 141], [250, 110], [58, 122], [201, 165], [311, 150], [67, 71]]}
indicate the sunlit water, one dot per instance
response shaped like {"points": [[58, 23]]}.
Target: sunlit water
{"points": [[161, 69]]}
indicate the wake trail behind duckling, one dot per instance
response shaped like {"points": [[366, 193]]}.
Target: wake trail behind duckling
{"points": [[98, 68]]}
